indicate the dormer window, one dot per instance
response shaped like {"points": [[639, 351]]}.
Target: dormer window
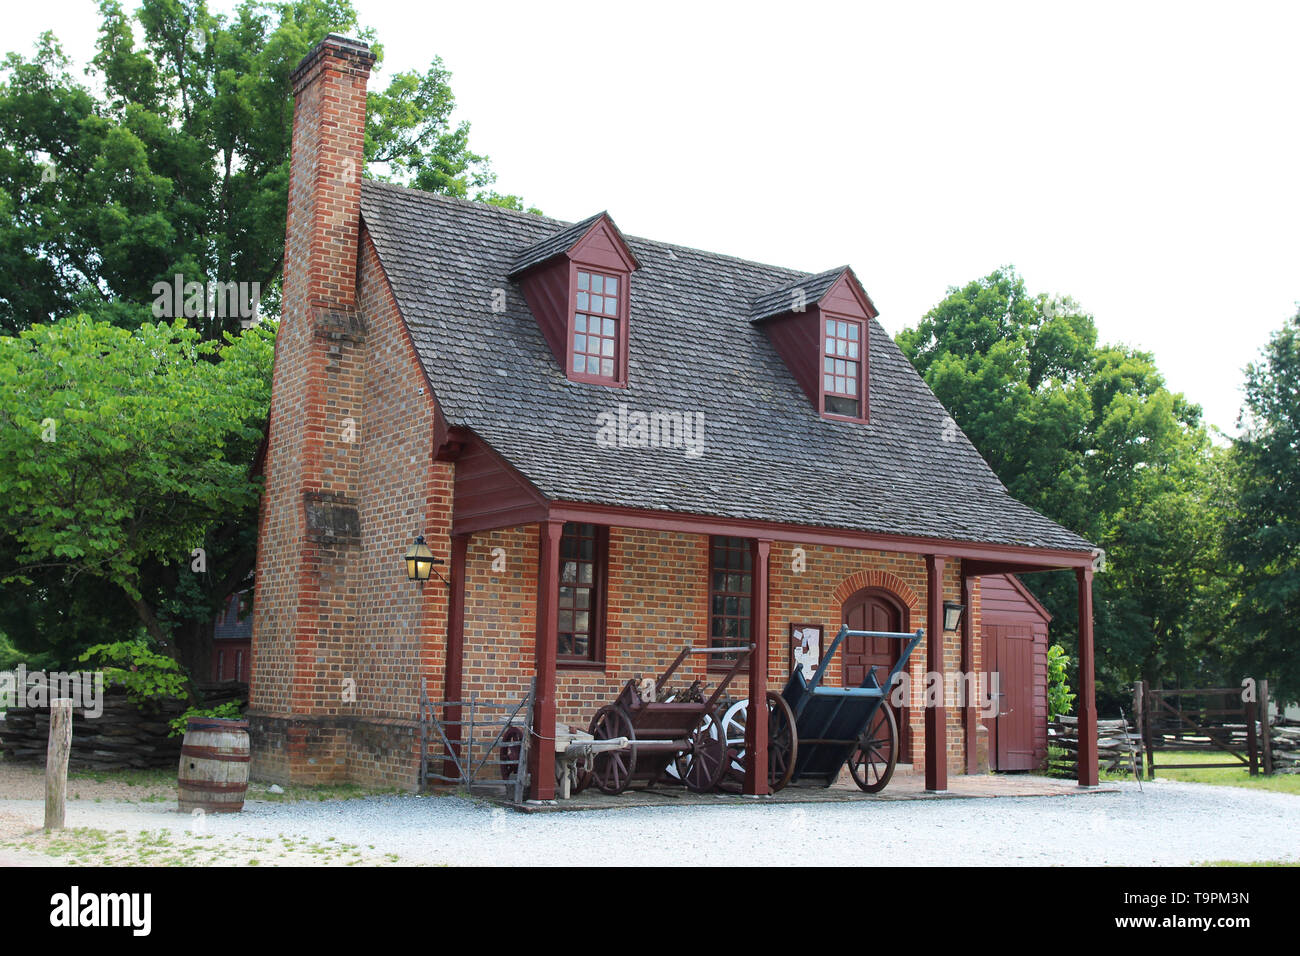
{"points": [[597, 317], [841, 367], [576, 285], [821, 327]]}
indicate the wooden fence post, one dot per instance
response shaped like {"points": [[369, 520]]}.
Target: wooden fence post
{"points": [[1250, 710], [56, 763], [1146, 731], [1138, 703], [1265, 728]]}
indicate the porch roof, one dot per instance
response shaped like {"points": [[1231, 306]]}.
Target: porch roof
{"points": [[763, 454]]}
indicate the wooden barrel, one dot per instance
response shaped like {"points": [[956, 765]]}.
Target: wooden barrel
{"points": [[214, 765]]}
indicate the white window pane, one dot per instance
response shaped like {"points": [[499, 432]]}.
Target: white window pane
{"points": [[839, 366], [593, 364], [828, 365], [582, 300], [841, 346], [578, 363], [851, 368], [830, 346], [580, 322], [607, 347], [611, 305], [611, 285], [853, 333], [828, 382], [583, 280], [579, 343], [608, 329], [607, 368], [853, 350]]}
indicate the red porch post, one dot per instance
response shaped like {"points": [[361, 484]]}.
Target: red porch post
{"points": [[970, 715], [454, 665], [1087, 685], [541, 750], [756, 726], [936, 718]]}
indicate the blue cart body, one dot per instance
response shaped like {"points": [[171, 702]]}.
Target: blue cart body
{"points": [[829, 721]]}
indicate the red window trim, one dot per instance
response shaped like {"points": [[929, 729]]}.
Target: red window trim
{"points": [[863, 332], [600, 585], [621, 332], [721, 662]]}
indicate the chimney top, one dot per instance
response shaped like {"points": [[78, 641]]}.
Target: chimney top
{"points": [[349, 56]]}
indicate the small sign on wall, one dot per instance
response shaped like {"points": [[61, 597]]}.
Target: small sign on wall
{"points": [[806, 648]]}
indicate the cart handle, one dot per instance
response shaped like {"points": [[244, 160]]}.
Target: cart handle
{"points": [[913, 638]]}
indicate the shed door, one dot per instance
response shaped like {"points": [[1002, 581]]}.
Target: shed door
{"points": [[1013, 648], [871, 611]]}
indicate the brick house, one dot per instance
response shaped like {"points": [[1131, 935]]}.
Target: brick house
{"points": [[617, 445]]}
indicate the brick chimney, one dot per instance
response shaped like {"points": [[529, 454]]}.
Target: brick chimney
{"points": [[309, 533]]}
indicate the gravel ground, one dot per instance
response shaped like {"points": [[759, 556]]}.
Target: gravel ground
{"points": [[1170, 823]]}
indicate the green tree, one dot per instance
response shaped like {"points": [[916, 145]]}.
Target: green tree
{"points": [[1264, 535], [174, 157], [113, 483], [1089, 435]]}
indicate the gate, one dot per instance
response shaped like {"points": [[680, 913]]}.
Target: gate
{"points": [[1214, 719], [476, 743]]}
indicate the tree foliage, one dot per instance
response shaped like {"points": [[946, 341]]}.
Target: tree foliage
{"points": [[1088, 434], [1264, 537], [173, 158], [127, 465]]}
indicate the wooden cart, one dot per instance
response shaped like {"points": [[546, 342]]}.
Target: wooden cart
{"points": [[835, 725], [812, 730], [683, 733]]}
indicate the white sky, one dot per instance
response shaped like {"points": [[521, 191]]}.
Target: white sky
{"points": [[1141, 158]]}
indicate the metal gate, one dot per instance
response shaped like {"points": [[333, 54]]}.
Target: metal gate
{"points": [[475, 742]]}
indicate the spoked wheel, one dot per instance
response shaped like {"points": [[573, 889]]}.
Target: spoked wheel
{"points": [[782, 741], [680, 765], [512, 741], [612, 770], [872, 763], [708, 757]]}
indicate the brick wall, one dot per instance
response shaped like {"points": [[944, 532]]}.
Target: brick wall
{"points": [[340, 638], [658, 602]]}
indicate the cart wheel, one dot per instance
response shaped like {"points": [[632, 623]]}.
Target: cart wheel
{"points": [[583, 776], [782, 742], [612, 770], [872, 763], [708, 757], [511, 742], [680, 765]]}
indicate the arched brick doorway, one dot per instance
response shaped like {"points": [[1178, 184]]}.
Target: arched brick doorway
{"points": [[875, 609]]}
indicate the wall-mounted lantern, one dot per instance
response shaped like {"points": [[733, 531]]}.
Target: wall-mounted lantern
{"points": [[420, 562], [952, 612]]}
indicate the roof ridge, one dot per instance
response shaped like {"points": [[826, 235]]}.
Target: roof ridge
{"points": [[796, 274]]}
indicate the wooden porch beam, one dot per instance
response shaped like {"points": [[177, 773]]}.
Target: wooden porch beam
{"points": [[936, 717], [453, 669], [541, 749], [970, 712], [1087, 684], [756, 725]]}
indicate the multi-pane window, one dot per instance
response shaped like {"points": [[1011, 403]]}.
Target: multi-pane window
{"points": [[581, 578], [595, 325], [841, 367], [731, 589]]}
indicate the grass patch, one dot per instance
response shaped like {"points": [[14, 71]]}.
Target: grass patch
{"points": [[1223, 776], [1249, 863]]}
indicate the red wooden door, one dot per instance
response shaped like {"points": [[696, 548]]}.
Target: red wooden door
{"points": [[1013, 649], [872, 611]]}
